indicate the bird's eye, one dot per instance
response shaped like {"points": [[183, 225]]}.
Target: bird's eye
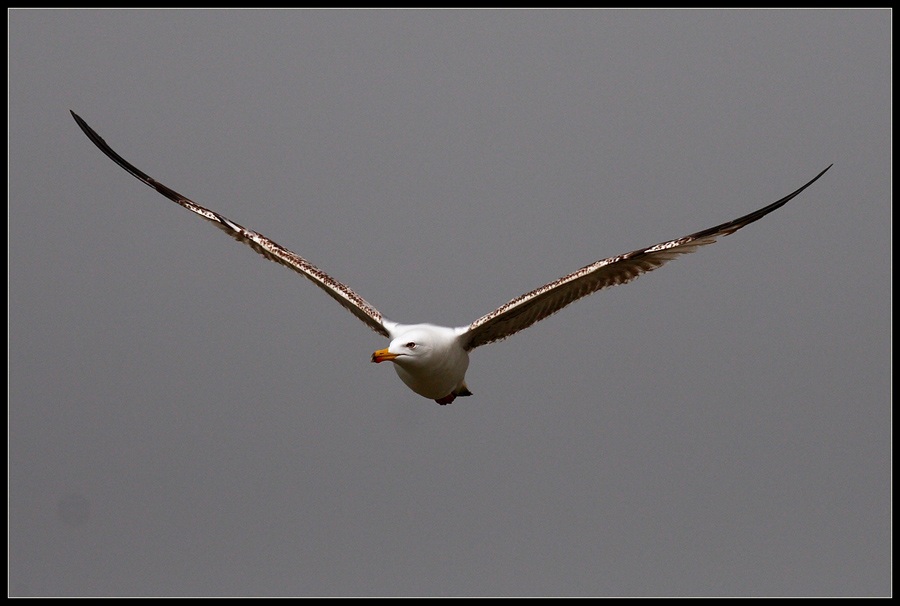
{"points": [[411, 345]]}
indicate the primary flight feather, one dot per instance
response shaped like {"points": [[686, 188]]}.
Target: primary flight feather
{"points": [[432, 360]]}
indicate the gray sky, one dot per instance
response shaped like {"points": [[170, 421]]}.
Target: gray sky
{"points": [[186, 418]]}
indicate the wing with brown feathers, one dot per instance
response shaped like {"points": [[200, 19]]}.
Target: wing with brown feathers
{"points": [[340, 292], [523, 311]]}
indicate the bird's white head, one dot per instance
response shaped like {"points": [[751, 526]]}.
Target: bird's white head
{"points": [[413, 348]]}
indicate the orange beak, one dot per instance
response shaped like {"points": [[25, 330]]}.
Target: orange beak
{"points": [[383, 355]]}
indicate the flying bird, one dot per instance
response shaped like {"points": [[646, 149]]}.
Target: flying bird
{"points": [[432, 360]]}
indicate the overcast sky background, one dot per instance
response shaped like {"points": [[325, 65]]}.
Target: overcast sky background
{"points": [[186, 418]]}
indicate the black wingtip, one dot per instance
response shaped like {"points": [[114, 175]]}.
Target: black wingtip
{"points": [[78, 119], [115, 157], [813, 180], [90, 132]]}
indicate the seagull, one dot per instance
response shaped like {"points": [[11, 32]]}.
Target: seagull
{"points": [[432, 360]]}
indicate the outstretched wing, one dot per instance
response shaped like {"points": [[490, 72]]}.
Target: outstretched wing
{"points": [[340, 292], [523, 311]]}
